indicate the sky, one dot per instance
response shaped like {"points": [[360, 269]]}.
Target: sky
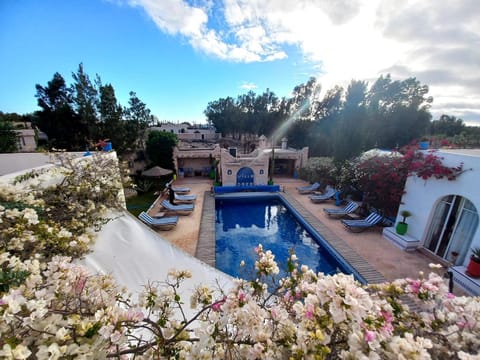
{"points": [[179, 55]]}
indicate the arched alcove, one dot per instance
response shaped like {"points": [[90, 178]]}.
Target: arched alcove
{"points": [[245, 177], [452, 228]]}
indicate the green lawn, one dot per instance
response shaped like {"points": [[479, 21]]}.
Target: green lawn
{"points": [[141, 202]]}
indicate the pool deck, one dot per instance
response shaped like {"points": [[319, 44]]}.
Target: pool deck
{"points": [[374, 257]]}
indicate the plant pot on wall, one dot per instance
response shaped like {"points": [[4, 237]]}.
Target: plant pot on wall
{"points": [[473, 268], [402, 226], [423, 145]]}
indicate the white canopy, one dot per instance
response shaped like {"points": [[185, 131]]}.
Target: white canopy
{"points": [[135, 255]]}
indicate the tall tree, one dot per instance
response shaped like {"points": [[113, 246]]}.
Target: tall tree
{"points": [[447, 126], [85, 99], [327, 116], [57, 117], [304, 96], [138, 118], [349, 132], [398, 112], [8, 137], [160, 146], [223, 114], [111, 125]]}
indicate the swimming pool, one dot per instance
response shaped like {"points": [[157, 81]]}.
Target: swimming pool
{"points": [[243, 222]]}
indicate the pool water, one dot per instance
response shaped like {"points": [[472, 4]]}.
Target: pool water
{"points": [[242, 224]]}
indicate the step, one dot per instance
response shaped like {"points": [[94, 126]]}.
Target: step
{"points": [[404, 242]]}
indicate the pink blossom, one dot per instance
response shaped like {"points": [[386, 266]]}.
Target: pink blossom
{"points": [[135, 315], [309, 311], [217, 306], [370, 335], [241, 297], [450, 296], [387, 316], [415, 286]]}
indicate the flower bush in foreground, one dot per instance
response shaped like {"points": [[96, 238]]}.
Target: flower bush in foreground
{"points": [[52, 308]]}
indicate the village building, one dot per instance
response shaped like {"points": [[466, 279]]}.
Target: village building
{"points": [[253, 168], [445, 216], [187, 132]]}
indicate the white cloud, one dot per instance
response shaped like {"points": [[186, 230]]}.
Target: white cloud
{"points": [[248, 86], [350, 39]]}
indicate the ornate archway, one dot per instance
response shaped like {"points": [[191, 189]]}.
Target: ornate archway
{"points": [[245, 177]]}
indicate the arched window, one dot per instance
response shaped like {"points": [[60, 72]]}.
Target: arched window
{"points": [[451, 230]]}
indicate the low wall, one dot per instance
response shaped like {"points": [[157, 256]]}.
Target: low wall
{"points": [[228, 189]]}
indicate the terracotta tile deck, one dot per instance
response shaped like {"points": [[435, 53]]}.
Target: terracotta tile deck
{"points": [[372, 255]]}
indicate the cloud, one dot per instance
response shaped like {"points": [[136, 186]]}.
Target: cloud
{"points": [[248, 86], [439, 44]]}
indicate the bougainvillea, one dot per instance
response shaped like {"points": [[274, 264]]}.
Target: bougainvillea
{"points": [[382, 178]]}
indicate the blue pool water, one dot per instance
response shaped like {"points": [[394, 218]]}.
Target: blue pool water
{"points": [[242, 224]]}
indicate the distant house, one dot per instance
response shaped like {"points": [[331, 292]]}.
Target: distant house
{"points": [[187, 132], [26, 140], [445, 215], [195, 158], [28, 137]]}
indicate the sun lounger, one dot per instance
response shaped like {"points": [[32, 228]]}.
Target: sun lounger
{"points": [[328, 194], [183, 209], [163, 223], [308, 189], [348, 209], [185, 198], [362, 224], [181, 190]]}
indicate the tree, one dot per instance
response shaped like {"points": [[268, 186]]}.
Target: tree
{"points": [[57, 117], [85, 100], [138, 118], [8, 137], [160, 146], [111, 124], [447, 126], [327, 116], [348, 137], [397, 112]]}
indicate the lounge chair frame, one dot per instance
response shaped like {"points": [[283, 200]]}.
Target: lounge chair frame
{"points": [[308, 189], [329, 193], [182, 209], [162, 223], [363, 224], [350, 208]]}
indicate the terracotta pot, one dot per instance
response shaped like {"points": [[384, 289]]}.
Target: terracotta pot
{"points": [[473, 268]]}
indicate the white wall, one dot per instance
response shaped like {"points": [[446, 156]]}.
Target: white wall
{"points": [[422, 196]]}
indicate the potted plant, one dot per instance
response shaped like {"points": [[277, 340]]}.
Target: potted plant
{"points": [[402, 226], [473, 268]]}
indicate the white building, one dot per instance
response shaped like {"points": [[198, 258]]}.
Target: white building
{"points": [[253, 168], [187, 132], [445, 215]]}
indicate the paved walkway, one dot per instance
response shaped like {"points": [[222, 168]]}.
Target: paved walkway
{"points": [[368, 251]]}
